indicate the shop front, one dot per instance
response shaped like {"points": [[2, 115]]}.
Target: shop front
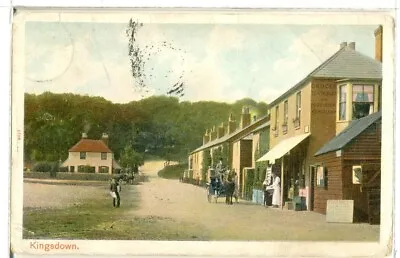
{"points": [[287, 160]]}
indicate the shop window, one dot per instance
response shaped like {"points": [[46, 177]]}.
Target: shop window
{"points": [[363, 100], [342, 102], [82, 155], [104, 156], [296, 121]]}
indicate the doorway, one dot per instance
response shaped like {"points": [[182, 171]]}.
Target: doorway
{"points": [[312, 171]]}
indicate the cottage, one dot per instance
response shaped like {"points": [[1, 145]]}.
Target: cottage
{"points": [[259, 140], [91, 156], [343, 88], [229, 140], [348, 168]]}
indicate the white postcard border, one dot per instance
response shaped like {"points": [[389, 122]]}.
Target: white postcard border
{"points": [[340, 249]]}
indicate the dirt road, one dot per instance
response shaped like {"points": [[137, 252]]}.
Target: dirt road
{"points": [[171, 208], [243, 221]]}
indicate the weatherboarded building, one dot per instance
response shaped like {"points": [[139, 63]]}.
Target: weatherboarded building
{"points": [[313, 111], [348, 168]]}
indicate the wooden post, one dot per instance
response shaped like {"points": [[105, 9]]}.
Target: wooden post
{"points": [[282, 163]]}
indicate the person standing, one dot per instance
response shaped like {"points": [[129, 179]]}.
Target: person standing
{"points": [[276, 186], [266, 194], [276, 196], [115, 188]]}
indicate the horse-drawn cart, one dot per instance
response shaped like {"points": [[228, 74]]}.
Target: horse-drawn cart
{"points": [[215, 189], [218, 188]]}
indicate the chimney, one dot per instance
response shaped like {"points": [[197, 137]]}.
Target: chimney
{"points": [[84, 135], [231, 124], [343, 45], [246, 118], [221, 131], [378, 43], [104, 138], [206, 137], [213, 134], [352, 45]]}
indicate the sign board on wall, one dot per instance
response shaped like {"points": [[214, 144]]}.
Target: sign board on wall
{"points": [[357, 175], [339, 211], [321, 178], [268, 175]]}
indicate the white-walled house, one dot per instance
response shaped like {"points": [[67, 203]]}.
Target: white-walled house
{"points": [[91, 156]]}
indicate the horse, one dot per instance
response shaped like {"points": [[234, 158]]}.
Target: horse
{"points": [[229, 191]]}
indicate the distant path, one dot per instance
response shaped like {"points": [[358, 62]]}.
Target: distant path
{"points": [[185, 202]]}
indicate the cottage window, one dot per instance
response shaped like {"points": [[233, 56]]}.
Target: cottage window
{"points": [[285, 116], [103, 155], [285, 112], [276, 120], [298, 110], [363, 100], [342, 102], [82, 155]]}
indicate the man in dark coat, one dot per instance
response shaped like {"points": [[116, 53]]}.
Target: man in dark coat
{"points": [[115, 188]]}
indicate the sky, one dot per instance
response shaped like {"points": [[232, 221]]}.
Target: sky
{"points": [[219, 62]]}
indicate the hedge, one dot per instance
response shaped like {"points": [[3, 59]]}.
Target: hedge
{"points": [[70, 176]]}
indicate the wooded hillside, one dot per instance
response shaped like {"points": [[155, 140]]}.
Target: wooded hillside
{"points": [[160, 126]]}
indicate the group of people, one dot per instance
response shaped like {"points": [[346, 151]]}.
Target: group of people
{"points": [[272, 187]]}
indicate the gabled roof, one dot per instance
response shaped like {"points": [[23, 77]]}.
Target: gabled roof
{"points": [[89, 145], [354, 129], [346, 63], [229, 137]]}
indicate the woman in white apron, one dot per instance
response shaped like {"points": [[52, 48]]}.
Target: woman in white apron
{"points": [[276, 186]]}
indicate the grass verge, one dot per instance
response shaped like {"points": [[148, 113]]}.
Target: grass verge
{"points": [[96, 219], [172, 171]]}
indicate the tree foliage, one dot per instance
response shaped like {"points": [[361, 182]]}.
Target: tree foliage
{"points": [[131, 160], [160, 125]]}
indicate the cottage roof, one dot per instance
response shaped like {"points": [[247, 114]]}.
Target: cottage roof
{"points": [[89, 145], [346, 63], [354, 129], [233, 135]]}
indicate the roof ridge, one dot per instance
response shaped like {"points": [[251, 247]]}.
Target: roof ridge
{"points": [[309, 75], [327, 61]]}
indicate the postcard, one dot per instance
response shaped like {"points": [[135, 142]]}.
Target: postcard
{"points": [[202, 132]]}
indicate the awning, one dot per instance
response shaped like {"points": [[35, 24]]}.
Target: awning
{"points": [[283, 147]]}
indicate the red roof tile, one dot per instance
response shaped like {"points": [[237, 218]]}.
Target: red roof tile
{"points": [[89, 145]]}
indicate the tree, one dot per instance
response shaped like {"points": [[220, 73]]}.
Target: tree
{"points": [[131, 160]]}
